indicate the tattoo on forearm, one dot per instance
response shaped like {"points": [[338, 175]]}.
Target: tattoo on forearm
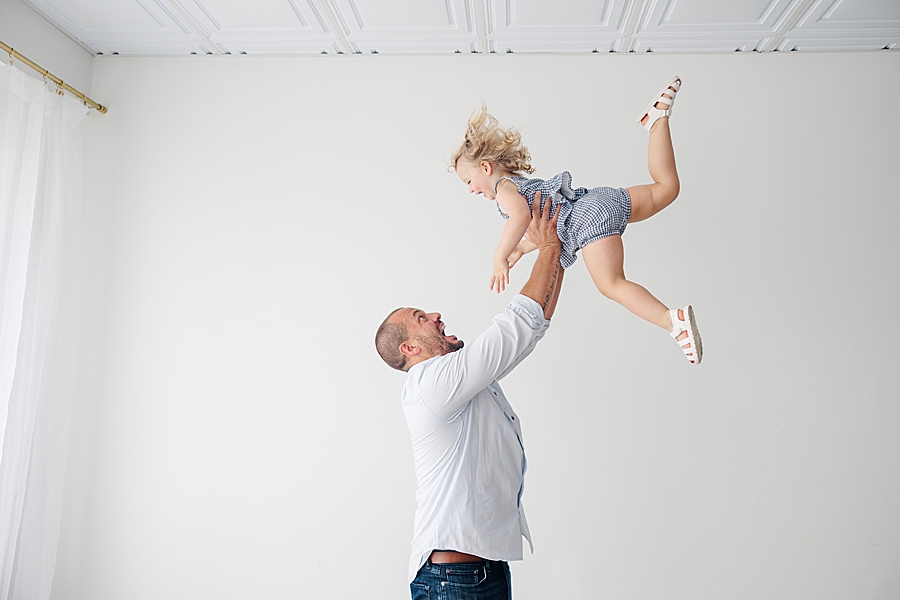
{"points": [[552, 287]]}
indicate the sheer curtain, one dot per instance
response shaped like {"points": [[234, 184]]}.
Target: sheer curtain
{"points": [[40, 183]]}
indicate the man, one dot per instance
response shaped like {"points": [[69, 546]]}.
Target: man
{"points": [[467, 441]]}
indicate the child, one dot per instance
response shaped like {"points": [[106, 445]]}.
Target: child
{"points": [[492, 162]]}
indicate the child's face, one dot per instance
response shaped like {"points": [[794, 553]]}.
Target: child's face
{"points": [[478, 176]]}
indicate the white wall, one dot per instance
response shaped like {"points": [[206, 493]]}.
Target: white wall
{"points": [[36, 38], [254, 219]]}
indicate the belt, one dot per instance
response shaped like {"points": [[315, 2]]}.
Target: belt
{"points": [[444, 557]]}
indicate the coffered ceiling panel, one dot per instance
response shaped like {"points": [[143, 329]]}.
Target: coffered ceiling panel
{"points": [[845, 25], [826, 15], [564, 25], [748, 25], [124, 26], [349, 27], [714, 16], [401, 26], [263, 26]]}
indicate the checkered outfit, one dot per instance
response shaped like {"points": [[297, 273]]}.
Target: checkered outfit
{"points": [[585, 215]]}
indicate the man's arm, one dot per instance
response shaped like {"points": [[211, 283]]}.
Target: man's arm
{"points": [[454, 379], [546, 232], [546, 275], [447, 383]]}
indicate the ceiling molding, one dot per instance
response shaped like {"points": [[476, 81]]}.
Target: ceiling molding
{"points": [[195, 27], [427, 27]]}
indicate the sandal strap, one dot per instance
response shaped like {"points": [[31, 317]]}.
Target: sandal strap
{"points": [[678, 325], [654, 115]]}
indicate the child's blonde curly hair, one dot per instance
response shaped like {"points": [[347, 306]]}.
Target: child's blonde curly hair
{"points": [[486, 140]]}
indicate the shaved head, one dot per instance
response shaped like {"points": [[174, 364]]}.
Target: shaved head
{"points": [[388, 339]]}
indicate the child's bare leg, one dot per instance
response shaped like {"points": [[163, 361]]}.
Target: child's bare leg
{"points": [[647, 200], [604, 259]]}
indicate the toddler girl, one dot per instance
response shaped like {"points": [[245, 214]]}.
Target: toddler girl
{"points": [[492, 162]]}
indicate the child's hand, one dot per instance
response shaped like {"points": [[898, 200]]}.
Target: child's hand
{"points": [[514, 257], [501, 275]]}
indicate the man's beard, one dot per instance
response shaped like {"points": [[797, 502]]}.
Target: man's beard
{"points": [[438, 345]]}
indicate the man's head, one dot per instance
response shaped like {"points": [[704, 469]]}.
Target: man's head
{"points": [[409, 336]]}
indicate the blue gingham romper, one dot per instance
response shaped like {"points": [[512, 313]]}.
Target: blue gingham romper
{"points": [[585, 215]]}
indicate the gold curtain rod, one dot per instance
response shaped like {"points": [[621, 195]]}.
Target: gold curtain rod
{"points": [[60, 84]]}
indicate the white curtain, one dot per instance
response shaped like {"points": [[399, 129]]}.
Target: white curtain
{"points": [[40, 182]]}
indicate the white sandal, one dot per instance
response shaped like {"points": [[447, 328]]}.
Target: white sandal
{"points": [[692, 345], [652, 113]]}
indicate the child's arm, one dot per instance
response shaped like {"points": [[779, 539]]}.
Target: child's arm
{"points": [[521, 250], [516, 207]]}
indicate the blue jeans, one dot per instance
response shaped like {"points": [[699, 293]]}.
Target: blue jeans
{"points": [[484, 580]]}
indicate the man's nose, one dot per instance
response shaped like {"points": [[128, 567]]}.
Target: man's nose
{"points": [[435, 316]]}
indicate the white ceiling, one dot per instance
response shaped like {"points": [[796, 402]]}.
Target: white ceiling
{"points": [[288, 27]]}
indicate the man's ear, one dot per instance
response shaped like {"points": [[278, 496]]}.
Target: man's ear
{"points": [[409, 349], [487, 167]]}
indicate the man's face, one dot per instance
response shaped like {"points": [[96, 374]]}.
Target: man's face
{"points": [[426, 331]]}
